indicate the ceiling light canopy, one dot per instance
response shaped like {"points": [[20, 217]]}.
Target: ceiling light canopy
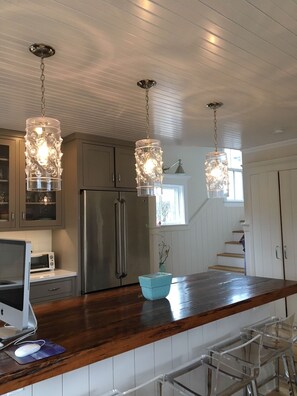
{"points": [[216, 164], [148, 154], [43, 140]]}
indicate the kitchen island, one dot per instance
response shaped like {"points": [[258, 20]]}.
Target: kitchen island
{"points": [[98, 326]]}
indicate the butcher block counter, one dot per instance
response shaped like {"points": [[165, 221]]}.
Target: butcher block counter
{"points": [[100, 325]]}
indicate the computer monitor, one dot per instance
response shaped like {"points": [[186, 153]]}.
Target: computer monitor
{"points": [[15, 308]]}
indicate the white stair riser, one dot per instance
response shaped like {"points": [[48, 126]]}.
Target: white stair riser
{"points": [[237, 236], [232, 248], [231, 261]]}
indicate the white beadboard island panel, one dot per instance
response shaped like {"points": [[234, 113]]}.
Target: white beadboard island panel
{"points": [[136, 366]]}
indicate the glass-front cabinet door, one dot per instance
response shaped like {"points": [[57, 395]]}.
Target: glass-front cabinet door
{"points": [[38, 209], [7, 183]]}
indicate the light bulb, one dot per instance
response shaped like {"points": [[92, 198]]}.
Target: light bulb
{"points": [[39, 130], [149, 166], [216, 172], [42, 154]]}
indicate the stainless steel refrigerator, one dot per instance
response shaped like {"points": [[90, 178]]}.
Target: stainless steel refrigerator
{"points": [[115, 239]]}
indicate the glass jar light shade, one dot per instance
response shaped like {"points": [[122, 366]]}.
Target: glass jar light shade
{"points": [[43, 154], [216, 173], [149, 166]]}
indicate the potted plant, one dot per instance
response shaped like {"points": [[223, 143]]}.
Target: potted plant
{"points": [[163, 255], [157, 285]]}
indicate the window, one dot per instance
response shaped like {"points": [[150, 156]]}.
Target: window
{"points": [[171, 204], [235, 175]]}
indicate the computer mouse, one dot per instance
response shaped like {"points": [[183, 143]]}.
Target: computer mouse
{"points": [[27, 349]]}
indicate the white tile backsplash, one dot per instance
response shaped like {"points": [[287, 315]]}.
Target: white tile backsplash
{"points": [[41, 239]]}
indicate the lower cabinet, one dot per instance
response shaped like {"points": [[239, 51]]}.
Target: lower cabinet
{"points": [[52, 290]]}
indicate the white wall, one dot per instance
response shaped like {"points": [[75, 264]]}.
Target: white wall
{"points": [[193, 248], [193, 163], [41, 239]]}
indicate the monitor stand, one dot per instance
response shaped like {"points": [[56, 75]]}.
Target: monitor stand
{"points": [[9, 334]]}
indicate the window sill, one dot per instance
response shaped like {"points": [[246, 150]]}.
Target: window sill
{"points": [[234, 204]]}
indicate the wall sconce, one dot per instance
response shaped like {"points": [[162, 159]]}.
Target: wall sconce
{"points": [[148, 155], [216, 165], [43, 140], [179, 170]]}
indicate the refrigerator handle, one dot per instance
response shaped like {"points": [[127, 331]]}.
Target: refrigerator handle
{"points": [[118, 239], [124, 246]]}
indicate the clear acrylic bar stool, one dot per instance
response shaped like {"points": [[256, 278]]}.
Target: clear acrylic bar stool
{"points": [[279, 336], [232, 367], [160, 386]]}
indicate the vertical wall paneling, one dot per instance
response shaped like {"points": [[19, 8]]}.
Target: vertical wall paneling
{"points": [[194, 247], [162, 356], [71, 387], [123, 371], [144, 369], [27, 391], [49, 387], [101, 377]]}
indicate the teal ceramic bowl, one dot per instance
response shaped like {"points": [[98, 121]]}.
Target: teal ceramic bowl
{"points": [[155, 286]]}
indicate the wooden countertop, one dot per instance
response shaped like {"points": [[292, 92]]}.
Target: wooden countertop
{"points": [[100, 325]]}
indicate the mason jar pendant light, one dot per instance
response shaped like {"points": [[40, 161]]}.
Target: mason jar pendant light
{"points": [[43, 140], [148, 155], [216, 164]]}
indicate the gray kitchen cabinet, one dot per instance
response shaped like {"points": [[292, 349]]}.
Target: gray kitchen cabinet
{"points": [[105, 166], [20, 209], [125, 167], [8, 185], [37, 209], [51, 290]]}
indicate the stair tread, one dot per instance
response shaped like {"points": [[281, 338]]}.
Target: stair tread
{"points": [[227, 268], [237, 255], [233, 242]]}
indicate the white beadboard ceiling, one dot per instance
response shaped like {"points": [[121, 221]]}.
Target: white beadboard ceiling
{"points": [[240, 52]]}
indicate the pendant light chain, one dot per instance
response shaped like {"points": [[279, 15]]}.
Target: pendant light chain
{"points": [[215, 129], [147, 113], [42, 78]]}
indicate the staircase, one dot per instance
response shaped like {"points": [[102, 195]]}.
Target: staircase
{"points": [[232, 259]]}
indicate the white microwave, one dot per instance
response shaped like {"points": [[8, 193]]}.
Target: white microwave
{"points": [[42, 261]]}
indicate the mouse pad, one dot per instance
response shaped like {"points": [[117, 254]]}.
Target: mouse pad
{"points": [[48, 349]]}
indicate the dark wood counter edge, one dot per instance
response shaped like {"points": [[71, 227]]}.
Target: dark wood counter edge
{"points": [[60, 364]]}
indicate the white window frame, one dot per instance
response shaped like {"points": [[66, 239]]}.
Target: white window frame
{"points": [[234, 202], [172, 180]]}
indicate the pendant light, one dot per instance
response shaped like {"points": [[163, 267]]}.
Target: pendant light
{"points": [[43, 140], [148, 155], [216, 164]]}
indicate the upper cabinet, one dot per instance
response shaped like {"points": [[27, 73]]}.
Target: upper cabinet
{"points": [[107, 166], [21, 209], [37, 209], [8, 174]]}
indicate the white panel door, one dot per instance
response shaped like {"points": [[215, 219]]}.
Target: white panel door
{"points": [[288, 189], [266, 225]]}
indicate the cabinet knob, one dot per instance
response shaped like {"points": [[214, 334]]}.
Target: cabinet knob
{"points": [[23, 215], [119, 177], [113, 178], [53, 289], [12, 216]]}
